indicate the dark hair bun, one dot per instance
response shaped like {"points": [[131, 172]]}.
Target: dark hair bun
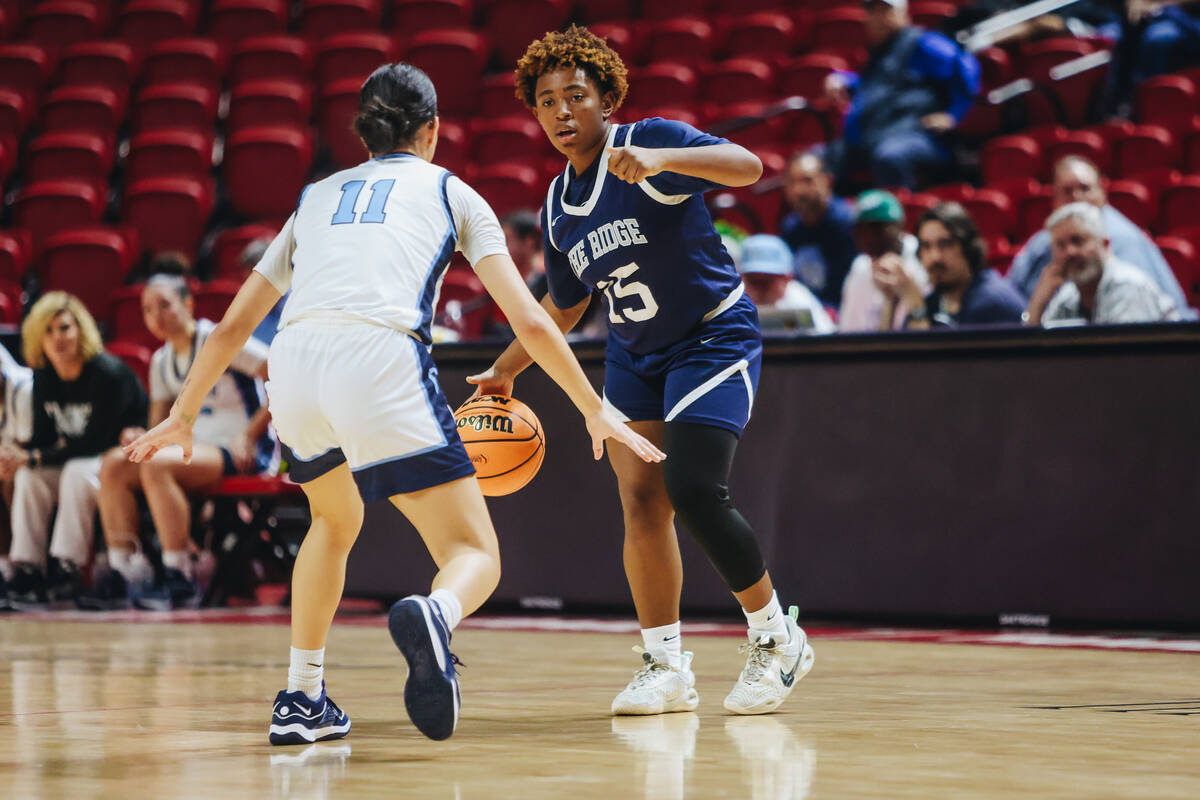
{"points": [[395, 101]]}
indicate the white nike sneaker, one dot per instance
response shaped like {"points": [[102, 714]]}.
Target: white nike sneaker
{"points": [[771, 670], [659, 688]]}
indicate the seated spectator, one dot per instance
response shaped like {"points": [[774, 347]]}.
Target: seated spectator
{"points": [[231, 438], [818, 227], [164, 262], [885, 247], [85, 402], [251, 254], [1086, 282], [913, 91], [1077, 179], [16, 426], [1168, 37], [965, 291], [523, 236], [783, 302]]}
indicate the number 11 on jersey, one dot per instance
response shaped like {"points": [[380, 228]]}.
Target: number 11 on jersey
{"points": [[380, 190]]}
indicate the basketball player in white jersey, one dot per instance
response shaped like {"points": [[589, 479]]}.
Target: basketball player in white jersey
{"points": [[355, 399]]}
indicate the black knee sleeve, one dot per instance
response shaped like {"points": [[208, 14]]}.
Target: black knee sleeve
{"points": [[696, 473]]}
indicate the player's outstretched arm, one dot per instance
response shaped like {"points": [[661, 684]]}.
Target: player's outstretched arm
{"points": [[727, 164], [541, 338], [499, 378], [251, 304]]}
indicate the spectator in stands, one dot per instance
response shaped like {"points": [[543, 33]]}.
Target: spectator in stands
{"points": [[231, 438], [765, 262], [913, 91], [885, 247], [85, 401], [16, 427], [523, 235], [965, 291], [251, 254], [818, 227], [1076, 179], [164, 262], [1168, 36], [1086, 282]]}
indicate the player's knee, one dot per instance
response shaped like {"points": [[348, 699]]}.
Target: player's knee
{"points": [[115, 468], [154, 472], [695, 498], [645, 501]]}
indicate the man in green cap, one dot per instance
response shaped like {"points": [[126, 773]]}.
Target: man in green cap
{"points": [[884, 247]]}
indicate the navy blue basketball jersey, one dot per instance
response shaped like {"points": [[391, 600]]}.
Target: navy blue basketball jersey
{"points": [[649, 247]]}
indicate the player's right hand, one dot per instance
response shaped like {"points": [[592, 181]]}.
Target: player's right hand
{"points": [[489, 382], [603, 425], [170, 431]]}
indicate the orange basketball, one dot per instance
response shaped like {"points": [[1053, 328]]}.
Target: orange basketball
{"points": [[504, 440]]}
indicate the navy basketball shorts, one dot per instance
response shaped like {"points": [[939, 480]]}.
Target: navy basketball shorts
{"points": [[709, 378]]}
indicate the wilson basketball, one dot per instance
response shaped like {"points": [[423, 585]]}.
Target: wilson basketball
{"points": [[505, 441]]}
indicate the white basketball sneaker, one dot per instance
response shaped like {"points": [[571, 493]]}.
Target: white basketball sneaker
{"points": [[771, 670], [658, 688]]}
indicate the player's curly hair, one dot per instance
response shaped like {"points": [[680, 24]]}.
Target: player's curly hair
{"points": [[574, 47]]}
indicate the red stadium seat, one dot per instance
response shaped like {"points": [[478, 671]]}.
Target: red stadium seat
{"points": [[353, 55], [992, 212], [509, 187], [1181, 203], [670, 9], [1164, 98], [69, 156], [513, 24], [499, 96], [271, 102], [1181, 256], [463, 304], [1191, 146], [111, 64], [57, 23], [264, 169], [169, 213], [233, 20], [195, 60], [410, 17], [688, 40], [229, 244], [266, 58], [840, 30], [143, 22], [620, 37], [1145, 147], [169, 153], [738, 80], [931, 14], [94, 109], [175, 106], [517, 138], [757, 35], [14, 114], [1088, 144], [1010, 157], [454, 61], [1134, 201], [87, 262], [995, 66], [805, 75], [136, 356], [651, 84], [1038, 56], [605, 10], [125, 320], [15, 255], [327, 17], [10, 303], [690, 116], [1032, 212], [952, 192], [47, 207], [25, 67], [747, 126], [213, 298], [453, 147], [339, 104]]}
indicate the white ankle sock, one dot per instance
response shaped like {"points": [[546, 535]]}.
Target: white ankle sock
{"points": [[306, 671], [450, 606], [133, 566], [668, 638], [178, 559], [768, 619]]}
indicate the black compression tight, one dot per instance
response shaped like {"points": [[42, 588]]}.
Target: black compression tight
{"points": [[696, 473]]}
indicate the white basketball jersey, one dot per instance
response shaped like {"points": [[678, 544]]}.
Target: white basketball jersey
{"points": [[235, 398], [373, 242]]}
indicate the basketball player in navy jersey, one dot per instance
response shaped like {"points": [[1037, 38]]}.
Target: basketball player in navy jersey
{"points": [[627, 218]]}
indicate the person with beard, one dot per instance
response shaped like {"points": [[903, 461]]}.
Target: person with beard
{"points": [[1086, 283], [964, 292], [818, 227], [900, 109]]}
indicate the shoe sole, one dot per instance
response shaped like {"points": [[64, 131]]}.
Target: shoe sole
{"points": [[429, 697], [298, 734], [689, 701], [807, 658]]}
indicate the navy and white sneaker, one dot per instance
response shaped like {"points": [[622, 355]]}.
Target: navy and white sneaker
{"points": [[296, 719], [431, 693]]}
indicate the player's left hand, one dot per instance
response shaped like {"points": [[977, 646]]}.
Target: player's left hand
{"points": [[603, 425], [171, 430], [633, 164]]}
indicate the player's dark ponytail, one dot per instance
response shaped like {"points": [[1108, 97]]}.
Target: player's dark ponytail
{"points": [[393, 105]]}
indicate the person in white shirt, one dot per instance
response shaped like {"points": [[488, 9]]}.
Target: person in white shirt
{"points": [[232, 437], [783, 302], [16, 428], [355, 398], [885, 250]]}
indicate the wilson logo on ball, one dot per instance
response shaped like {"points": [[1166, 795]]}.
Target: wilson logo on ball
{"points": [[487, 422]]}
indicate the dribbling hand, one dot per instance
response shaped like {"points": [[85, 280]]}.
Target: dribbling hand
{"points": [[603, 425], [489, 383], [170, 431]]}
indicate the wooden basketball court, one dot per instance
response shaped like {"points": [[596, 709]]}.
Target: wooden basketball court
{"points": [[119, 706]]}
